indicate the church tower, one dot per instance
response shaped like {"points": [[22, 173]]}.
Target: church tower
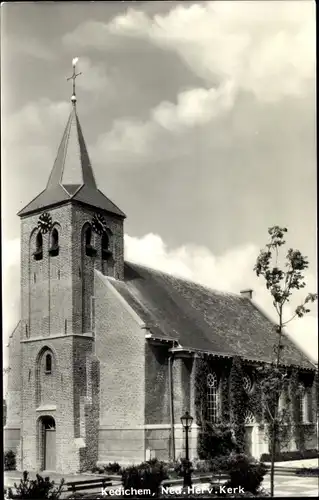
{"points": [[69, 230]]}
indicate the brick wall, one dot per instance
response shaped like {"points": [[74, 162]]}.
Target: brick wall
{"points": [[83, 266], [62, 404], [55, 290], [46, 285], [120, 344], [157, 409]]}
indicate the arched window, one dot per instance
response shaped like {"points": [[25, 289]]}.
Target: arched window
{"points": [[106, 252], [54, 247], [89, 250], [212, 397], [38, 254], [88, 236], [48, 363]]}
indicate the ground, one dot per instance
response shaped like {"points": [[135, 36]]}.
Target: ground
{"points": [[287, 484]]}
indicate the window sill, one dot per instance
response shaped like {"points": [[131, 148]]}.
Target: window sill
{"points": [[48, 372]]}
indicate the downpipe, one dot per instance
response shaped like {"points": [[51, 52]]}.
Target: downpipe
{"points": [[171, 406]]}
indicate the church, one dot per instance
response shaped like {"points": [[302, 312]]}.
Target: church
{"points": [[105, 358]]}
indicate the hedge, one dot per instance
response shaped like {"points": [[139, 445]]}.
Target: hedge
{"points": [[286, 456]]}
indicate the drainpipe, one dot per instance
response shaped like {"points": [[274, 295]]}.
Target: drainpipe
{"points": [[170, 378]]}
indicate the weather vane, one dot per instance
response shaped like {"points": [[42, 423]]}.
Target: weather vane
{"points": [[73, 77]]}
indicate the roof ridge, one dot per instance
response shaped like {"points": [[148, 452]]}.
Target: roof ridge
{"points": [[77, 191], [73, 112], [185, 280]]}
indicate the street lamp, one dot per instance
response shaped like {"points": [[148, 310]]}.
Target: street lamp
{"points": [[187, 420]]}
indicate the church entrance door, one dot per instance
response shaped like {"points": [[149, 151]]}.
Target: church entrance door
{"points": [[49, 444]]}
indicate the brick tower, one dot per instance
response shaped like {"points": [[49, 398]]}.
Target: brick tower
{"points": [[67, 231]]}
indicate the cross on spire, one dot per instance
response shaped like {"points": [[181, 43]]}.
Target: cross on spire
{"points": [[73, 77]]}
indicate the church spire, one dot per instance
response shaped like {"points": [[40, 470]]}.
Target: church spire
{"points": [[72, 176]]}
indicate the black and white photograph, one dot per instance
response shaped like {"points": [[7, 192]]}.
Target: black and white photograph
{"points": [[159, 249]]}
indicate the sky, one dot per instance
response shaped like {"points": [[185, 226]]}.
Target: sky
{"points": [[199, 119]]}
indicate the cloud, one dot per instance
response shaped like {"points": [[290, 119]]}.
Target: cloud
{"points": [[10, 285], [267, 48], [194, 108], [32, 47], [88, 34], [229, 272], [94, 76]]}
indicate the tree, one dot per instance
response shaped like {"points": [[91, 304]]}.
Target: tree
{"points": [[281, 282]]}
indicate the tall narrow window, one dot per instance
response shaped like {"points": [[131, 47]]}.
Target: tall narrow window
{"points": [[106, 252], [54, 247], [38, 254], [305, 404], [89, 250], [93, 317], [212, 397], [48, 363]]}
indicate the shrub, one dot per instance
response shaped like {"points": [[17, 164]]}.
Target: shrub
{"points": [[290, 455], [112, 468], [179, 467], [216, 441], [202, 466], [9, 460], [97, 470], [39, 488], [146, 476], [245, 472]]}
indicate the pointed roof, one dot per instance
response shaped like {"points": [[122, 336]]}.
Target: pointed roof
{"points": [[72, 176]]}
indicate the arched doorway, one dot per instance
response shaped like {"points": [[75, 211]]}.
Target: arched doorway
{"points": [[48, 443]]}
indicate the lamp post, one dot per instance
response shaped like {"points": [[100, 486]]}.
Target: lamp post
{"points": [[187, 420]]}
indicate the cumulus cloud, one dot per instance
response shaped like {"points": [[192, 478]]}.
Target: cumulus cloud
{"points": [[194, 107], [131, 138], [88, 34], [267, 48], [10, 286], [36, 119]]}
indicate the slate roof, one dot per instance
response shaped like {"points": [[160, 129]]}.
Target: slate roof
{"points": [[72, 176], [203, 319]]}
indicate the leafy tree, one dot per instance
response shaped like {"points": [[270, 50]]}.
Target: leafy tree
{"points": [[281, 282]]}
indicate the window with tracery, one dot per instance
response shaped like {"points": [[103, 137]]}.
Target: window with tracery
{"points": [[249, 417], [247, 383], [212, 397]]}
